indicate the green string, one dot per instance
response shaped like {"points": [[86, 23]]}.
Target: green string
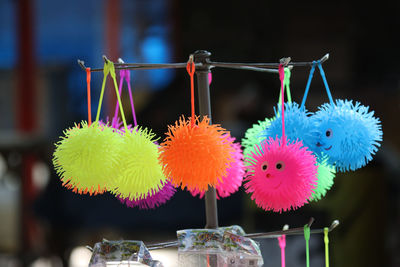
{"points": [[106, 71], [112, 73], [307, 238], [286, 84], [326, 241]]}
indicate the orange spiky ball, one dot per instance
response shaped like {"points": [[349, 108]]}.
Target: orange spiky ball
{"points": [[195, 156]]}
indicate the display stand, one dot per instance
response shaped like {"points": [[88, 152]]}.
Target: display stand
{"points": [[202, 72], [203, 64]]}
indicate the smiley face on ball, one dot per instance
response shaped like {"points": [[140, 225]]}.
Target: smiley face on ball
{"points": [[329, 139], [282, 175], [273, 173]]}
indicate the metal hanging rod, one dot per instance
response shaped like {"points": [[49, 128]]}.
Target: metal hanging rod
{"points": [[285, 61], [274, 234], [145, 66], [248, 68], [262, 67]]}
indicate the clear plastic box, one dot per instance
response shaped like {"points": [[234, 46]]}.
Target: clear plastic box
{"points": [[222, 247]]}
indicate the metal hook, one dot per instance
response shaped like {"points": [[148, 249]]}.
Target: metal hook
{"points": [[191, 59], [82, 64], [334, 224], [310, 222], [324, 58], [285, 61]]}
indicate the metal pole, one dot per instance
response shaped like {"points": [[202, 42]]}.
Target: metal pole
{"points": [[202, 56]]}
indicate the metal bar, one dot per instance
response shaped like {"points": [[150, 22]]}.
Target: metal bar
{"points": [[202, 72], [267, 65], [152, 66], [260, 69], [178, 66], [264, 67], [121, 67], [274, 234]]}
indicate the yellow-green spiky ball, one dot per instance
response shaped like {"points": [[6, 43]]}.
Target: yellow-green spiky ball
{"points": [[86, 156], [139, 170]]}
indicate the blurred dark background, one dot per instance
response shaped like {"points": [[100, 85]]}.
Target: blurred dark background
{"points": [[43, 91]]}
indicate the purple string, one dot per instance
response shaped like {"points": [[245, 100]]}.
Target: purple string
{"points": [[127, 75], [121, 80], [128, 81]]}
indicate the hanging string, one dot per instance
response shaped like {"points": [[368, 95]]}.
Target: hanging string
{"points": [[127, 75], [113, 76], [310, 76], [326, 241], [282, 245], [89, 107], [121, 81], [307, 238], [190, 67], [106, 71], [281, 77], [286, 83], [128, 81], [321, 71]]}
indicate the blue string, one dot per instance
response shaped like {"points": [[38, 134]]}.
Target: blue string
{"points": [[325, 82], [308, 84]]}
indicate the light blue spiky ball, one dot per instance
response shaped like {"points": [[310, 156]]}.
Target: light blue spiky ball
{"points": [[348, 133], [297, 124]]}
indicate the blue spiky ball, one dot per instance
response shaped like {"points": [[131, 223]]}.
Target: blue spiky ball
{"points": [[348, 133], [297, 124]]}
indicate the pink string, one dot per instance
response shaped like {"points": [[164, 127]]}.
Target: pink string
{"points": [[282, 77], [127, 75], [282, 245]]}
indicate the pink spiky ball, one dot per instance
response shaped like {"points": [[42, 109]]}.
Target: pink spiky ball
{"points": [[231, 182], [281, 177]]}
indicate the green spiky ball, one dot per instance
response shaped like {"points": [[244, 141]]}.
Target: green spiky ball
{"points": [[326, 174], [139, 170], [253, 136], [86, 156]]}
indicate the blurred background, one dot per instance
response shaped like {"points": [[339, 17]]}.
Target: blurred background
{"points": [[43, 92]]}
